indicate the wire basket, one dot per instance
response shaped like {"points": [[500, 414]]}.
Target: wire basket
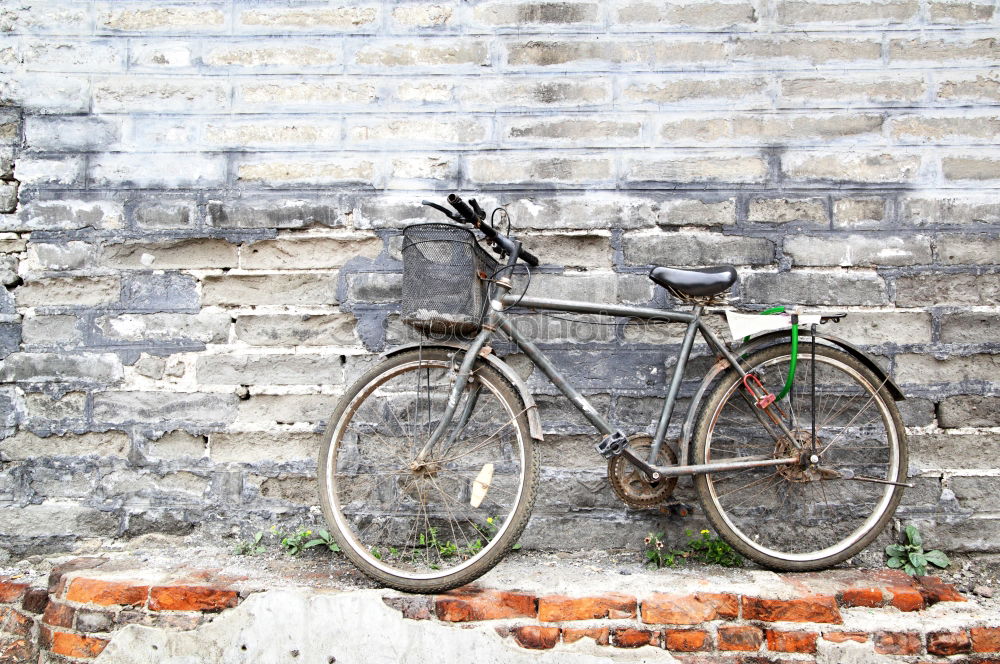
{"points": [[444, 279]]}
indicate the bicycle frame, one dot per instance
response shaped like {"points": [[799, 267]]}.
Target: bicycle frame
{"points": [[497, 320]]}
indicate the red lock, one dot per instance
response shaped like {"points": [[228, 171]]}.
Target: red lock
{"points": [[765, 400]]}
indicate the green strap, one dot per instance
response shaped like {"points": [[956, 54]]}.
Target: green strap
{"points": [[795, 352]]}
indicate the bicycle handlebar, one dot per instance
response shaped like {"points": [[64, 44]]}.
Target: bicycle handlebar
{"points": [[475, 216]]}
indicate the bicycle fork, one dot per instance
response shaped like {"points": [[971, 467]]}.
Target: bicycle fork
{"points": [[461, 380], [465, 370]]}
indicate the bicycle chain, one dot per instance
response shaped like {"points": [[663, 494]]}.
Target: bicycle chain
{"points": [[631, 486]]}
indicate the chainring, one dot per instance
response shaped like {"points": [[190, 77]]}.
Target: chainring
{"points": [[629, 483]]}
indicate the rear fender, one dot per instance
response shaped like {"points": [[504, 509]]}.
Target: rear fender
{"points": [[771, 338], [531, 408], [761, 342]]}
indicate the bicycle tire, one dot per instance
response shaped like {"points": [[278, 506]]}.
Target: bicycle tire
{"points": [[792, 518], [412, 526]]}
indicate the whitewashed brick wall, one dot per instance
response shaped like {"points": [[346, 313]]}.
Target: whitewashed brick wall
{"points": [[200, 204]]}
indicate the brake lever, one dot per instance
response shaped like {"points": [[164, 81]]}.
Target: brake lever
{"points": [[445, 211]]}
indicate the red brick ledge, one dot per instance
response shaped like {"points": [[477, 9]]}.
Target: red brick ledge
{"points": [[85, 603], [728, 624]]}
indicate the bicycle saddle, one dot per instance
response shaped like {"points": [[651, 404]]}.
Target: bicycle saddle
{"points": [[697, 282]]}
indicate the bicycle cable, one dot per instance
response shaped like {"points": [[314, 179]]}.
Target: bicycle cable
{"points": [[505, 214]]}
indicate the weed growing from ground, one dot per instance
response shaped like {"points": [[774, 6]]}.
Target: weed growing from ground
{"points": [[911, 557], [704, 547], [323, 540], [251, 547], [295, 543]]}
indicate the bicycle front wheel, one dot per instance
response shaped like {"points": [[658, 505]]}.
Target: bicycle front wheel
{"points": [[839, 496], [430, 523]]}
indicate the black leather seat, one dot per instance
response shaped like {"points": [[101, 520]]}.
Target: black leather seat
{"points": [[697, 282]]}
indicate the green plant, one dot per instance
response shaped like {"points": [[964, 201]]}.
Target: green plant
{"points": [[429, 539], [304, 538], [657, 553], [708, 548], [323, 538], [704, 547], [489, 531], [911, 557], [295, 543], [252, 546]]}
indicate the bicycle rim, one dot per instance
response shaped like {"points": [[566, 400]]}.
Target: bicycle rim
{"points": [[438, 522], [803, 516]]}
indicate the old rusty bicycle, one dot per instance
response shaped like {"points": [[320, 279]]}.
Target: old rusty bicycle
{"points": [[429, 466]]}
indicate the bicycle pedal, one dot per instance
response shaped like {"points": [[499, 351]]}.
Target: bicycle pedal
{"points": [[676, 509], [613, 445]]}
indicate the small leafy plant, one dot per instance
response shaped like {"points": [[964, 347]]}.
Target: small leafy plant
{"points": [[323, 539], [708, 548], [657, 553], [295, 543], [304, 538], [251, 547], [703, 547], [911, 557]]}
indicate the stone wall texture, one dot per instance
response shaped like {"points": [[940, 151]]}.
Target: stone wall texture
{"points": [[200, 207]]}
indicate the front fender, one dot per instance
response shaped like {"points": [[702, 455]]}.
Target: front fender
{"points": [[531, 408]]}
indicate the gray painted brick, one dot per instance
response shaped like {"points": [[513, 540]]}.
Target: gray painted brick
{"points": [[271, 369], [281, 289], [858, 250], [953, 451], [922, 369], [272, 214], [814, 288], [976, 493], [947, 289], [970, 327], [161, 407], [690, 248], [969, 411], [169, 291], [57, 367], [297, 330]]}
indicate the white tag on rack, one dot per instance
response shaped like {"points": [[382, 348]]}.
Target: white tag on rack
{"points": [[743, 325]]}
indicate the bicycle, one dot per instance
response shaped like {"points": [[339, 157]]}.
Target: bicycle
{"points": [[429, 466]]}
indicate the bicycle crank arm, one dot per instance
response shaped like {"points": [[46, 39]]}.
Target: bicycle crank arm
{"points": [[659, 472], [848, 474]]}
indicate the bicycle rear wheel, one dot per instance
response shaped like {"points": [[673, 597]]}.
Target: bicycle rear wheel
{"points": [[808, 515], [438, 523]]}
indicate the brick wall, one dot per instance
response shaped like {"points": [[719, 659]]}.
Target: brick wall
{"points": [[886, 615], [200, 205]]}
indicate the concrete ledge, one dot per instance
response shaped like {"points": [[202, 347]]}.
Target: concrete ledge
{"points": [[121, 610]]}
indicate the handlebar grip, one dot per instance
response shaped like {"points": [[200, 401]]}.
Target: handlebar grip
{"points": [[480, 212], [470, 216], [463, 209]]}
